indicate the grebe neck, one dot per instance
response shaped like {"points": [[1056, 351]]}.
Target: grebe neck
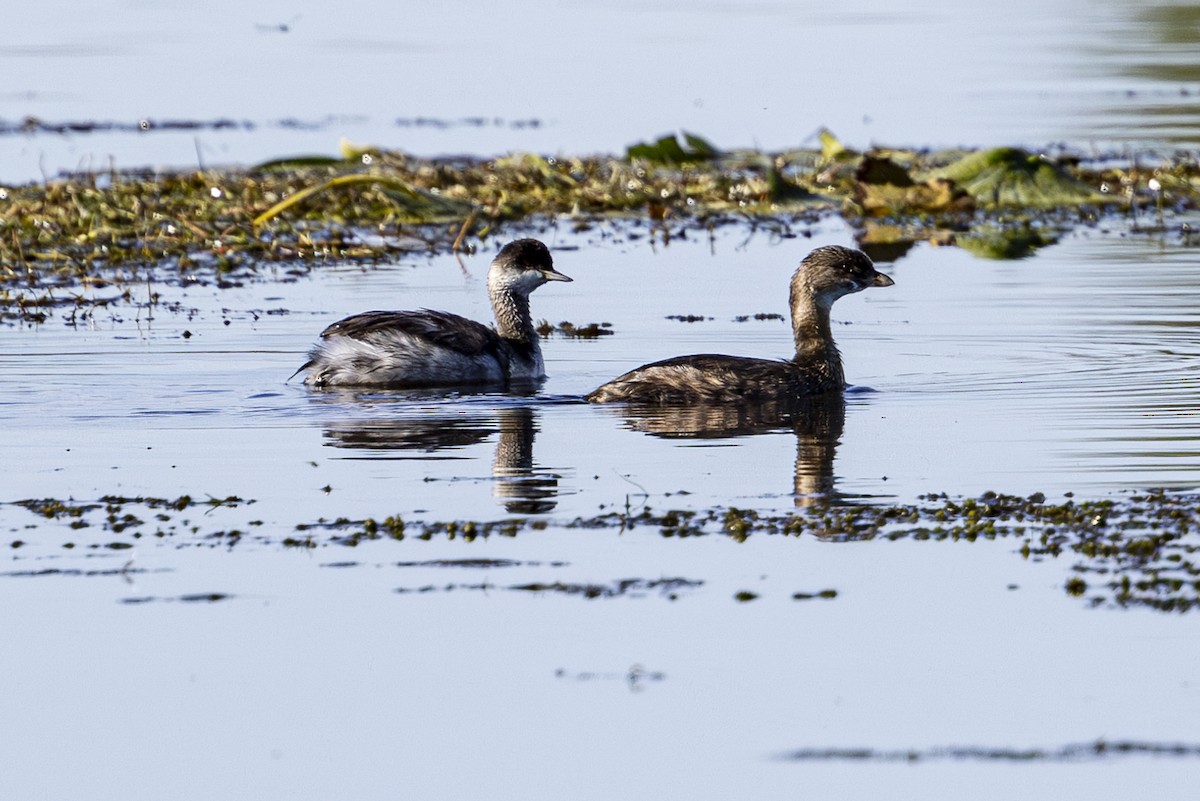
{"points": [[513, 321], [813, 333]]}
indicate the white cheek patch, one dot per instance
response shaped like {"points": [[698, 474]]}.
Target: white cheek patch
{"points": [[529, 281], [521, 283]]}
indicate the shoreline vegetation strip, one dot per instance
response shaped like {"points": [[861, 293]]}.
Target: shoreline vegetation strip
{"points": [[368, 205]]}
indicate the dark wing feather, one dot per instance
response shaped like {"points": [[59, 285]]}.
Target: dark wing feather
{"points": [[714, 362], [442, 329], [712, 377]]}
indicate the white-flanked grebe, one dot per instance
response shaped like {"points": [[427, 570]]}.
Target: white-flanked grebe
{"points": [[431, 348], [825, 275]]}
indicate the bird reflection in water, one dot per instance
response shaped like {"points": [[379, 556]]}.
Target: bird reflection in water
{"points": [[518, 484], [521, 487], [816, 421]]}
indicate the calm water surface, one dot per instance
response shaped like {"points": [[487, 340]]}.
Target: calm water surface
{"points": [[552, 76], [1074, 370], [371, 671], [205, 663]]}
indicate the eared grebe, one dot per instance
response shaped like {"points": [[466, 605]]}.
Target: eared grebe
{"points": [[825, 275], [432, 348]]}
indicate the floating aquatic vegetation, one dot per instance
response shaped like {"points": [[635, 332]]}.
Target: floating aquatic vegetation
{"points": [[477, 564], [668, 150], [133, 517], [416, 205], [82, 243], [1144, 547], [572, 331], [667, 587], [1137, 550], [1008, 176], [882, 187], [742, 318], [1072, 752], [885, 182], [124, 571], [826, 595], [35, 125], [192, 598]]}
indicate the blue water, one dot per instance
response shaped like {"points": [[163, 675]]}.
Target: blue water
{"points": [[367, 671], [211, 659], [574, 77]]}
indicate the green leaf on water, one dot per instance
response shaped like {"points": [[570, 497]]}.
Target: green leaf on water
{"points": [[1009, 176], [668, 150], [832, 148]]}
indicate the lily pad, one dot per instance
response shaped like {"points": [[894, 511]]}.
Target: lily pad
{"points": [[668, 150], [1008, 176]]}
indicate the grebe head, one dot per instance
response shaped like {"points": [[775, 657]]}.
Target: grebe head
{"points": [[522, 266], [831, 272]]}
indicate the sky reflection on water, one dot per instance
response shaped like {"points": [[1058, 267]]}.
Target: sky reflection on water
{"points": [[293, 77], [345, 668], [1073, 370]]}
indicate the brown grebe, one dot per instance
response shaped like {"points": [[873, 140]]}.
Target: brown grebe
{"points": [[431, 348], [825, 275]]}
